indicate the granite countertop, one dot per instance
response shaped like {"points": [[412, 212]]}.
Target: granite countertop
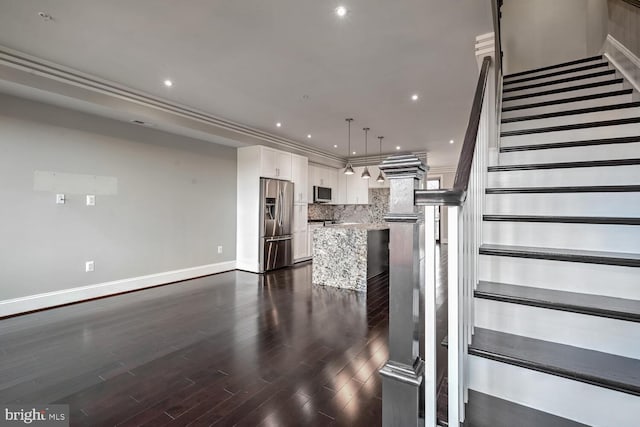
{"points": [[357, 226]]}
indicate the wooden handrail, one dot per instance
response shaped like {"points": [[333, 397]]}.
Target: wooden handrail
{"points": [[457, 195]]}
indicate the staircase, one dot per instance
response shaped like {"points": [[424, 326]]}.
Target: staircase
{"points": [[556, 311]]}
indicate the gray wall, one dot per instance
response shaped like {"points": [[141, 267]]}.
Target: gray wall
{"points": [[175, 200], [546, 32], [624, 24]]}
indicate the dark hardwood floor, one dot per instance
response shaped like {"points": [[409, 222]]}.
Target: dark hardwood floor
{"points": [[230, 349]]}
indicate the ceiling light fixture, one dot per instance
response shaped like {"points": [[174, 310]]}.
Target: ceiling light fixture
{"points": [[414, 97], [365, 172], [335, 146], [309, 136], [168, 83], [341, 11], [349, 169], [397, 147], [354, 153], [380, 176], [451, 141], [278, 124]]}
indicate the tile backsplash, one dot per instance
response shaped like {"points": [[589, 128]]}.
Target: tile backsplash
{"points": [[374, 212]]}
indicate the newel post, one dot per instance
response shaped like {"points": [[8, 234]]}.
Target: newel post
{"points": [[402, 375]]}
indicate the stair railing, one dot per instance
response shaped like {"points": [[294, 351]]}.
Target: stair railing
{"points": [[409, 380]]}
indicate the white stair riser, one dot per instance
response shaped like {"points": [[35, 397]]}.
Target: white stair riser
{"points": [[622, 113], [563, 95], [546, 87], [600, 132], [592, 237], [572, 154], [605, 280], [564, 204], [579, 330], [552, 394], [606, 175], [558, 69], [609, 100]]}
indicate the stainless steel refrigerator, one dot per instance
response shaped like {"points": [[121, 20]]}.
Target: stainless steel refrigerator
{"points": [[276, 224]]}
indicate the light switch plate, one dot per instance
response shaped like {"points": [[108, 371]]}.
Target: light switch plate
{"points": [[219, 249], [60, 199], [89, 266], [91, 200]]}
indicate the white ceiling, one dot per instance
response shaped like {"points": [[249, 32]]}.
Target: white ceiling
{"points": [[253, 61]]}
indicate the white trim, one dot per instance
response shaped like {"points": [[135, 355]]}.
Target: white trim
{"points": [[438, 170], [66, 296], [624, 60]]}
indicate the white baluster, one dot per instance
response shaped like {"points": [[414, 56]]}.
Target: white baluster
{"points": [[430, 377]]}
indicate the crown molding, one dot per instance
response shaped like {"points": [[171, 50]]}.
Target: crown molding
{"points": [[377, 159], [23, 69], [437, 170]]}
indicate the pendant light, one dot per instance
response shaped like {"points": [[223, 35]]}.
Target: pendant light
{"points": [[380, 176], [349, 169], [365, 172]]}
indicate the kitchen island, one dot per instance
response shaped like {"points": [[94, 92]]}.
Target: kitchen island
{"points": [[346, 255]]}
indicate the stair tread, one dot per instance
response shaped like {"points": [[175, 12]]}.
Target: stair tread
{"points": [[568, 100], [564, 89], [556, 254], [551, 67], [573, 126], [572, 144], [564, 219], [577, 111], [484, 410], [618, 308], [566, 189], [566, 165], [559, 81], [594, 367], [525, 79]]}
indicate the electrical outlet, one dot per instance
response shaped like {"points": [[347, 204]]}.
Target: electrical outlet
{"points": [[91, 200], [60, 199], [219, 249], [89, 266]]}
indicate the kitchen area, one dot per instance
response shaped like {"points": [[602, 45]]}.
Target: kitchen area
{"points": [[292, 211]]}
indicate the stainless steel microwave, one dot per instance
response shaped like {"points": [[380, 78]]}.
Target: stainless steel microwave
{"points": [[321, 194]]}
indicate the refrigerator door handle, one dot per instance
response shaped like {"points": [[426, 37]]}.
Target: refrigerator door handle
{"points": [[278, 239]]}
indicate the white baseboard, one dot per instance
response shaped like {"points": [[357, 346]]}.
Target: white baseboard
{"points": [[52, 299], [624, 60]]}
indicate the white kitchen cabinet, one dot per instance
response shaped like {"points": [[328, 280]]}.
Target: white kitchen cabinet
{"points": [[275, 163], [300, 245], [352, 189], [322, 176], [300, 217], [300, 177]]}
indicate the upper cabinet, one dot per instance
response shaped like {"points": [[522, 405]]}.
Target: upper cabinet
{"points": [[300, 178], [352, 189], [275, 163], [321, 176]]}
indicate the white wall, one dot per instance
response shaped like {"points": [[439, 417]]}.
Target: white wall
{"points": [[546, 32], [174, 202]]}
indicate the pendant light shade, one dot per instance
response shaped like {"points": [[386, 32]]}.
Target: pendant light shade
{"points": [[380, 175], [349, 169], [365, 172]]}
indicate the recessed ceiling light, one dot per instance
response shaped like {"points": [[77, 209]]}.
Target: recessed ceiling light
{"points": [[451, 141], [354, 152], [278, 124], [309, 136], [341, 11], [335, 146], [414, 97], [168, 83], [397, 147]]}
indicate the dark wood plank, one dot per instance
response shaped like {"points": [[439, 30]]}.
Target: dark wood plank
{"points": [[551, 67], [572, 112], [571, 189], [598, 65], [594, 305], [509, 88], [570, 144], [568, 255], [569, 100], [574, 126], [592, 367], [563, 219], [563, 90], [565, 165]]}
